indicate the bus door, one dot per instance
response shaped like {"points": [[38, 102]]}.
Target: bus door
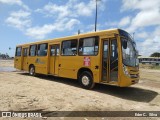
{"points": [[25, 62], [18, 58], [109, 60], [54, 59]]}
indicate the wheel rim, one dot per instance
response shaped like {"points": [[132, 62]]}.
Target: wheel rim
{"points": [[85, 80], [32, 71]]}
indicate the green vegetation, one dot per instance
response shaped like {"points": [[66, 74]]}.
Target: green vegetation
{"points": [[3, 56], [156, 54]]}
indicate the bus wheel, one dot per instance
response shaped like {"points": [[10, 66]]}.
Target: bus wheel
{"points": [[86, 80], [32, 70]]}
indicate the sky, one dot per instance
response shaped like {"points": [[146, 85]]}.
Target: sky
{"points": [[23, 21]]}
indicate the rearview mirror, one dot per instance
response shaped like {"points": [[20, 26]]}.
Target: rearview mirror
{"points": [[124, 44]]}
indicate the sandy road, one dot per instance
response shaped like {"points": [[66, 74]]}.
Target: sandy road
{"points": [[21, 92]]}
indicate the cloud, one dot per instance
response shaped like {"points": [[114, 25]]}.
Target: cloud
{"points": [[144, 19], [53, 10], [65, 17], [149, 46], [125, 21], [148, 13], [40, 32], [150, 41], [73, 8], [143, 35], [18, 2], [139, 4], [19, 19], [15, 2]]}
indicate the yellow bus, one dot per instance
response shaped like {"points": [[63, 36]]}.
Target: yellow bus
{"points": [[107, 57]]}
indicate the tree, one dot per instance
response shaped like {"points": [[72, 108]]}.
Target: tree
{"points": [[155, 54]]}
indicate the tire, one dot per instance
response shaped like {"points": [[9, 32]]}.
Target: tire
{"points": [[86, 80], [32, 71]]}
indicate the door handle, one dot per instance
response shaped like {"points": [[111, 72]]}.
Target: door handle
{"points": [[59, 65], [16, 59]]}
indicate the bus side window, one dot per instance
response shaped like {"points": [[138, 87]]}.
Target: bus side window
{"points": [[32, 51], [18, 51], [42, 49], [69, 47], [88, 46]]}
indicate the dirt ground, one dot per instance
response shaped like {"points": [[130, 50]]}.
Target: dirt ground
{"points": [[21, 92]]}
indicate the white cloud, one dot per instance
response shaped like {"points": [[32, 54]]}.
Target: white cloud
{"points": [[18, 2], [54, 10], [148, 14], [149, 46], [40, 32], [144, 19], [150, 42], [15, 2], [139, 4], [84, 9], [125, 21], [73, 8], [19, 19], [65, 16], [143, 35]]}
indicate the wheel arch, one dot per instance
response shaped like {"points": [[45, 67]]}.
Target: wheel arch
{"points": [[81, 70]]}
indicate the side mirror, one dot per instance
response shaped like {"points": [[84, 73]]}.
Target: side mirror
{"points": [[124, 44]]}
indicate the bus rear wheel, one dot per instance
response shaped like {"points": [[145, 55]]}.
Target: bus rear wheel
{"points": [[86, 80], [32, 70]]}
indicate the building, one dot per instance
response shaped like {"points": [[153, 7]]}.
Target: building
{"points": [[149, 60]]}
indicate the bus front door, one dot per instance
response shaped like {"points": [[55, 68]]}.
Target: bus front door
{"points": [[54, 59], [109, 60]]}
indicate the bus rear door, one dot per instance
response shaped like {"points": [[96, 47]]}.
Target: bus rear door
{"points": [[54, 59]]}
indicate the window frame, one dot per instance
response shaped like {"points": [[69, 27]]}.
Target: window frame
{"points": [[25, 55], [55, 46], [20, 52], [96, 38], [61, 50], [38, 48], [35, 50]]}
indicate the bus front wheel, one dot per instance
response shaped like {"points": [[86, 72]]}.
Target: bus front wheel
{"points": [[86, 80], [32, 70]]}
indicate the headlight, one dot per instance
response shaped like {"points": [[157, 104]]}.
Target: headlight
{"points": [[125, 70]]}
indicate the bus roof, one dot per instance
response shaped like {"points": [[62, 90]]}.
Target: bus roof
{"points": [[110, 31]]}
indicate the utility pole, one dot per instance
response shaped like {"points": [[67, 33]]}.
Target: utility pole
{"points": [[96, 17]]}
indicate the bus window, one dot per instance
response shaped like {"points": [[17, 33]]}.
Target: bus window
{"points": [[88, 46], [32, 50], [54, 51], [42, 49], [25, 52], [18, 51], [69, 47]]}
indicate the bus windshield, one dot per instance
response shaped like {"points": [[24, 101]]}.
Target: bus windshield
{"points": [[129, 52]]}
